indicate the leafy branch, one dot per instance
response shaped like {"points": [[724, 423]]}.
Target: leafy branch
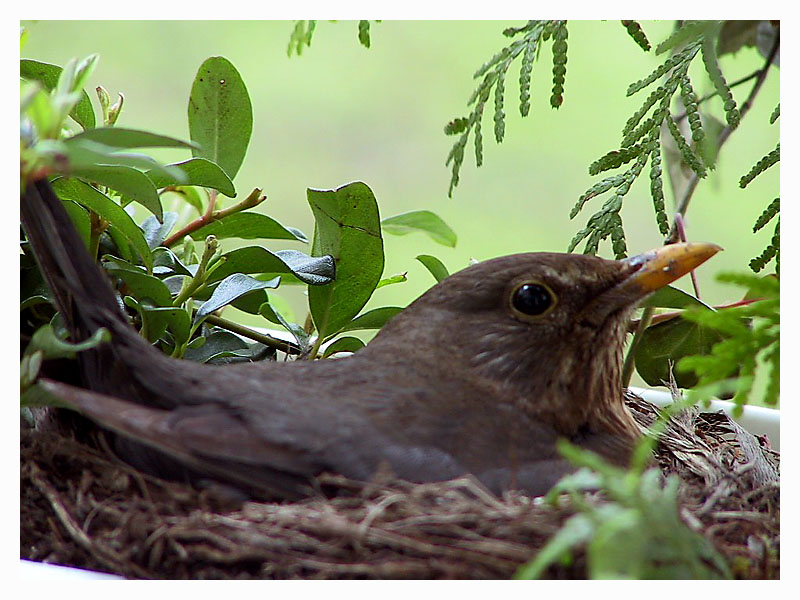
{"points": [[493, 77]]}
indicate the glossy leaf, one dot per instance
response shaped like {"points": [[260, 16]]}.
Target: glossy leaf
{"points": [[343, 344], [199, 171], [249, 226], [156, 232], [220, 114], [158, 319], [166, 261], [120, 137], [348, 229], [218, 345], [665, 344], [48, 75], [434, 265], [127, 181], [231, 288], [141, 285], [672, 297], [424, 221], [312, 270], [89, 197]]}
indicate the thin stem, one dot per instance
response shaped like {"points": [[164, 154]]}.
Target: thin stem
{"points": [[628, 365], [667, 316], [738, 82], [282, 345], [254, 199], [682, 235]]}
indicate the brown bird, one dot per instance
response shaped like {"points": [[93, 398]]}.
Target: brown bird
{"points": [[480, 375]]}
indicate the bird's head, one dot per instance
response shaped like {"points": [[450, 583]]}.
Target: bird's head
{"points": [[543, 330]]}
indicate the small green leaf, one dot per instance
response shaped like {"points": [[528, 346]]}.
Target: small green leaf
{"points": [[672, 297], [48, 75], [311, 270], [231, 288], [663, 345], [348, 229], [217, 345], [372, 319], [434, 265], [86, 195], [220, 114], [199, 171], [127, 181], [142, 286], [421, 220], [156, 232], [391, 280], [343, 344], [46, 341], [248, 226], [120, 137]]}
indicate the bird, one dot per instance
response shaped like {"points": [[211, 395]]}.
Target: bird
{"points": [[480, 376]]}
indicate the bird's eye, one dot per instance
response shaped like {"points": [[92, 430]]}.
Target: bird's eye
{"points": [[532, 299]]}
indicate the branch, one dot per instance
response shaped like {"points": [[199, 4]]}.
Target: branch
{"points": [[254, 199], [282, 345]]}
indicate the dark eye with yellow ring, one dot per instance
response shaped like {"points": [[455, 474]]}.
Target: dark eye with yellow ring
{"points": [[532, 299]]}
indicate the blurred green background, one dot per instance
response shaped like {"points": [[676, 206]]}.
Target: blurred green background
{"points": [[341, 112]]}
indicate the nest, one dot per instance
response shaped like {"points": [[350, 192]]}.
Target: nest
{"points": [[82, 507]]}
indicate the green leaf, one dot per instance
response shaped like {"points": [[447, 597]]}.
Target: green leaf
{"points": [[672, 297], [348, 229], [231, 288], [156, 232], [220, 114], [434, 265], [157, 319], [199, 171], [80, 218], [373, 319], [48, 75], [343, 344], [255, 259], [46, 341], [664, 344], [421, 220], [576, 530], [142, 286], [165, 261], [89, 197], [127, 181], [248, 226], [217, 345], [391, 280], [120, 137]]}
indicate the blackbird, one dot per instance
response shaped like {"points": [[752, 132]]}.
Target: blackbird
{"points": [[480, 375]]}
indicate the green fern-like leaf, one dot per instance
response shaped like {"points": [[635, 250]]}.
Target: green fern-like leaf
{"points": [[363, 33], [685, 55], [772, 250], [687, 153], [766, 216], [597, 189], [637, 33], [692, 113], [615, 159], [689, 30], [657, 189], [499, 113], [301, 36], [709, 53], [559, 64], [752, 333], [456, 126], [775, 114], [762, 165], [525, 76], [657, 94]]}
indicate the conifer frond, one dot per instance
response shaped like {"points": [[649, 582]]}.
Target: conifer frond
{"points": [[766, 216], [559, 63], [772, 250], [688, 155], [657, 188], [715, 73], [775, 114], [363, 33], [492, 75], [637, 33], [762, 165], [689, 30], [301, 36]]}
